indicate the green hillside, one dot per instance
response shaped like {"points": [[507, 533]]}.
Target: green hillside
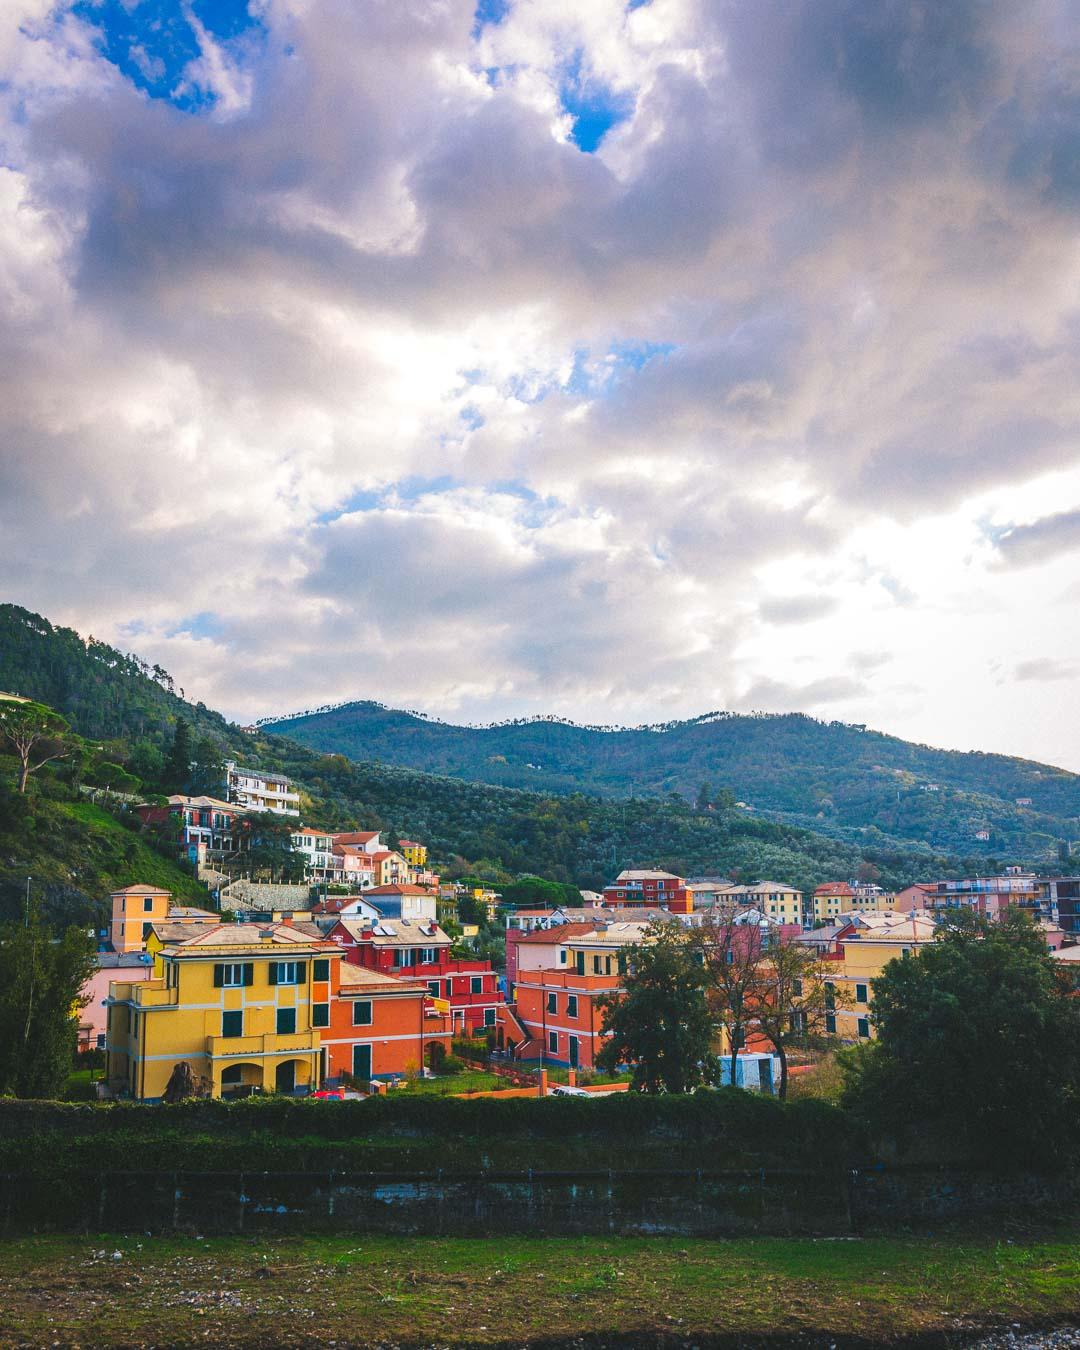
{"points": [[502, 831], [75, 853], [831, 777]]}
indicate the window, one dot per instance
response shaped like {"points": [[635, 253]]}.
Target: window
{"points": [[449, 987], [562, 956], [553, 1042], [232, 1023], [433, 988], [596, 965], [830, 1023], [476, 984], [286, 1021], [729, 957], [232, 974], [796, 988], [287, 972], [427, 956], [830, 996], [571, 1005], [489, 1017], [553, 1003], [320, 1014], [321, 969], [148, 905], [860, 993], [864, 1027], [147, 929], [361, 1013]]}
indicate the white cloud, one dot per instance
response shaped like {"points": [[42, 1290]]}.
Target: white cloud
{"points": [[370, 363]]}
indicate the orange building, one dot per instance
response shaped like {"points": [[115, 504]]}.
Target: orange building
{"points": [[378, 1026]]}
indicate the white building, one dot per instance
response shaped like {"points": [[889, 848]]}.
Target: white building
{"points": [[318, 850], [257, 791]]}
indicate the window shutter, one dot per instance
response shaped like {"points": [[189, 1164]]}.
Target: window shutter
{"points": [[301, 972], [219, 976], [249, 972], [273, 972]]}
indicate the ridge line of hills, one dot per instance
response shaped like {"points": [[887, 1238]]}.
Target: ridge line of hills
{"points": [[496, 830], [837, 778]]}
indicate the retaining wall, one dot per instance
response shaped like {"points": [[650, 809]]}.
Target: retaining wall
{"points": [[690, 1204]]}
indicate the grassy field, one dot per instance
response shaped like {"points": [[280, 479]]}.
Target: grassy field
{"points": [[233, 1292]]}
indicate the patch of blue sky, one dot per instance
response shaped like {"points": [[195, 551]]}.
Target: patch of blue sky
{"points": [[205, 624], [638, 353], [489, 12], [409, 489], [152, 41], [472, 417], [594, 106]]}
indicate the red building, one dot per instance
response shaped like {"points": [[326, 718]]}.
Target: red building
{"points": [[420, 950], [644, 887]]}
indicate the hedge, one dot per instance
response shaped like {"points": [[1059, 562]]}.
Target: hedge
{"points": [[716, 1124]]}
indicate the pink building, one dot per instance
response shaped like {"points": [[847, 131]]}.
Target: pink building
{"points": [[130, 966]]}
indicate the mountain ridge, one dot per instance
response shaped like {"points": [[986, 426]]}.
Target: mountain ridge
{"points": [[842, 779]]}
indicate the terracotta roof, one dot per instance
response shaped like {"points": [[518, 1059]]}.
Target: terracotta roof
{"points": [[359, 977], [559, 934], [397, 932], [140, 890], [356, 836], [248, 937], [334, 904], [398, 888], [834, 888]]}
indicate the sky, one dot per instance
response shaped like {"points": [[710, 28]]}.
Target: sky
{"points": [[619, 361]]}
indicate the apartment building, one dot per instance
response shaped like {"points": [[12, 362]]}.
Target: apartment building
{"points": [[242, 1004], [643, 887], [255, 790]]}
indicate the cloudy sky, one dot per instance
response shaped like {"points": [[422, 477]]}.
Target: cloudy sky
{"points": [[624, 361]]}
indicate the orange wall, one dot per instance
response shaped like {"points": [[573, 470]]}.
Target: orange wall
{"points": [[128, 916], [399, 1034], [532, 991]]}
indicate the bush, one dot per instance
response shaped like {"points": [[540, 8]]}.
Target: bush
{"points": [[452, 1064]]}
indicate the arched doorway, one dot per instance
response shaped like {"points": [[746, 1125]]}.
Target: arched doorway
{"points": [[291, 1074], [241, 1080]]}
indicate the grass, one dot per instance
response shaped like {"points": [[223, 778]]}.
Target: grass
{"points": [[360, 1291], [447, 1085]]}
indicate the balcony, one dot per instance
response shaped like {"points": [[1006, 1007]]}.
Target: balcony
{"points": [[239, 1047], [144, 994]]}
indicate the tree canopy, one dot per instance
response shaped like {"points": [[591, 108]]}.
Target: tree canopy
{"points": [[978, 1043]]}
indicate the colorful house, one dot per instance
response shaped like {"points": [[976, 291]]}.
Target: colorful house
{"points": [[381, 1026], [644, 887], [260, 791], [415, 854], [421, 950], [135, 909], [830, 901], [243, 1004]]}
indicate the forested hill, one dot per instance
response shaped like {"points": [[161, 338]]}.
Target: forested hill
{"points": [[504, 832], [829, 776]]}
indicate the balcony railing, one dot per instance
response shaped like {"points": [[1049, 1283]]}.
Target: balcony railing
{"points": [[236, 1047]]}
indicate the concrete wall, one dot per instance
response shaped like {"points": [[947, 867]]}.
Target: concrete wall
{"points": [[676, 1203]]}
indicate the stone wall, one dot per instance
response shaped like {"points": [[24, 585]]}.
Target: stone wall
{"points": [[688, 1204]]}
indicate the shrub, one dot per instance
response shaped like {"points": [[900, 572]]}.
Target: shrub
{"points": [[452, 1064]]}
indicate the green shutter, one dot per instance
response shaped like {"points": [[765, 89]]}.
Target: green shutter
{"points": [[321, 970], [249, 972], [219, 976], [273, 972], [301, 972]]}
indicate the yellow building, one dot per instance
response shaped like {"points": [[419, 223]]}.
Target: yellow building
{"points": [[779, 902], [415, 854], [866, 953], [241, 1003], [136, 909]]}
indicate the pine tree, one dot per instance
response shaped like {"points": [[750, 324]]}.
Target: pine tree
{"points": [[178, 764]]}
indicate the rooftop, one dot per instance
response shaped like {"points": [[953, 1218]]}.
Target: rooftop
{"points": [[396, 932], [141, 890], [247, 937]]}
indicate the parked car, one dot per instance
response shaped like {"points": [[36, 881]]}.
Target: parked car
{"points": [[329, 1094]]}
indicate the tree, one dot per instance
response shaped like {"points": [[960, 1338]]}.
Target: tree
{"points": [[790, 999], [34, 733], [41, 980], [704, 796], [978, 1042], [661, 1024], [178, 763], [731, 952]]}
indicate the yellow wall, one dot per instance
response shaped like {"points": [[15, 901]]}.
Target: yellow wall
{"points": [[416, 854], [863, 962], [130, 913], [156, 1023]]}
